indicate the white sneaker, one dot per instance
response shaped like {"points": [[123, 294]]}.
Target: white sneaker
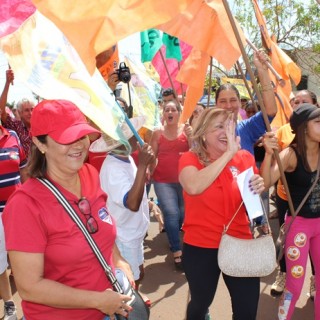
{"points": [[278, 286], [312, 287], [10, 311]]}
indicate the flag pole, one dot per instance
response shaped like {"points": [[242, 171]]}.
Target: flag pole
{"points": [[259, 96], [181, 86], [269, 65], [209, 85], [169, 75], [247, 86]]}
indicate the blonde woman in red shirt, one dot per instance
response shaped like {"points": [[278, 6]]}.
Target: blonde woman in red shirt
{"points": [[208, 174]]}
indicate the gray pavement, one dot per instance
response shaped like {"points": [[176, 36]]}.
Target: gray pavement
{"points": [[168, 290]]}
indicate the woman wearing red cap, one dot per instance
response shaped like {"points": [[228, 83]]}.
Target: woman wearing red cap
{"points": [[299, 161], [57, 274]]}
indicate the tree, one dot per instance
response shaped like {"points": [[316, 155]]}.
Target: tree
{"points": [[294, 23]]}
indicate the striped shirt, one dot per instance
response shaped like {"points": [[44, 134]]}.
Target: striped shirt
{"points": [[12, 159], [22, 132]]}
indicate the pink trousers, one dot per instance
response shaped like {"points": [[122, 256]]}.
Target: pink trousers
{"points": [[303, 236]]}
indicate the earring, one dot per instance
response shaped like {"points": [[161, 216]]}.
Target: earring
{"points": [[43, 152], [204, 139]]}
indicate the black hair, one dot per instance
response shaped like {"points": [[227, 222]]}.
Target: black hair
{"points": [[167, 92], [227, 86]]}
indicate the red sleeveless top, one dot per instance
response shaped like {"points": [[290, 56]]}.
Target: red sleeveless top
{"points": [[169, 153]]}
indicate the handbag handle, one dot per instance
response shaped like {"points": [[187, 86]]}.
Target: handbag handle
{"points": [[66, 205], [228, 225]]}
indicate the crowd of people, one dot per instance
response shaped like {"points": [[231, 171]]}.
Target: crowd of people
{"points": [[193, 168]]}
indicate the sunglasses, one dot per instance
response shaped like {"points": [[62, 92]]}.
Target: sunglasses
{"points": [[85, 209]]}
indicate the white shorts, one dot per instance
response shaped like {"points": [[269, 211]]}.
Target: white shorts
{"points": [[3, 252], [134, 256]]}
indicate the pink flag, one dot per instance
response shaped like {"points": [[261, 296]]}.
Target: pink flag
{"points": [[172, 66], [13, 13]]}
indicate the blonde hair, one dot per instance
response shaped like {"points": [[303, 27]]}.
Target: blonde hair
{"points": [[205, 120]]}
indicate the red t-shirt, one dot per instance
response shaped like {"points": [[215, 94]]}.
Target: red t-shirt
{"points": [[208, 212], [169, 153], [36, 222]]}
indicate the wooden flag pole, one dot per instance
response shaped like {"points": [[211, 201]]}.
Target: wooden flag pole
{"points": [[209, 85], [269, 65], [247, 86], [169, 76], [260, 100]]}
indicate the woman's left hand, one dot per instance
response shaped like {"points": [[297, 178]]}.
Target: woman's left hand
{"points": [[256, 184]]}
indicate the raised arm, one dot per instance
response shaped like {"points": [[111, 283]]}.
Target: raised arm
{"points": [[195, 181], [267, 91], [4, 94], [154, 143], [135, 194]]}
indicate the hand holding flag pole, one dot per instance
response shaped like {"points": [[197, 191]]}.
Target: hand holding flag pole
{"points": [[259, 96], [269, 65]]}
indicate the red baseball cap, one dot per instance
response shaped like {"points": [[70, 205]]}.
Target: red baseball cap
{"points": [[62, 121]]}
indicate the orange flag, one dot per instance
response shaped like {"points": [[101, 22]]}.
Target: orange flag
{"points": [[205, 25], [94, 26], [285, 67], [215, 37], [193, 73], [107, 61]]}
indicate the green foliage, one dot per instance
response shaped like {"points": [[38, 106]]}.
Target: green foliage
{"points": [[294, 23]]}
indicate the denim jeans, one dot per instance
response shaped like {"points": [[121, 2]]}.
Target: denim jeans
{"points": [[172, 207]]}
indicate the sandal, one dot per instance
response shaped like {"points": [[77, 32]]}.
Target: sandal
{"points": [[178, 262], [147, 301]]}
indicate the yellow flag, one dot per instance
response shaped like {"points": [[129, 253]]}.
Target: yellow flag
{"points": [[44, 60]]}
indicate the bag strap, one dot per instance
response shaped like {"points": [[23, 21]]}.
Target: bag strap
{"points": [[228, 225], [66, 205], [294, 214]]}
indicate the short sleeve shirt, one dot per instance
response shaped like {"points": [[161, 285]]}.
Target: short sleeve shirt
{"points": [[35, 222]]}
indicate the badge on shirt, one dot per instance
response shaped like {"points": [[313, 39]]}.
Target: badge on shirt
{"points": [[104, 215], [235, 171], [14, 155]]}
